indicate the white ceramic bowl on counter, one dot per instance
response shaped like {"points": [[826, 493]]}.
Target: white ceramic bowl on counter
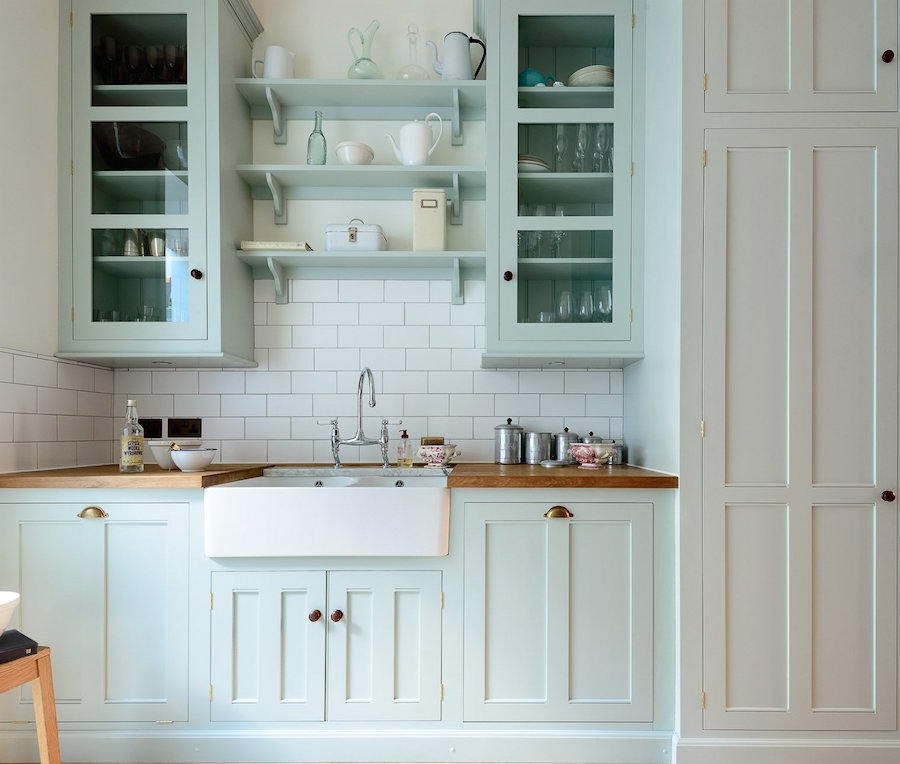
{"points": [[8, 602], [351, 152], [592, 455], [193, 459]]}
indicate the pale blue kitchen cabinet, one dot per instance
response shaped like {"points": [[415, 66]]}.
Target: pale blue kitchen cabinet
{"points": [[559, 601], [150, 201], [563, 280], [104, 584], [315, 645]]}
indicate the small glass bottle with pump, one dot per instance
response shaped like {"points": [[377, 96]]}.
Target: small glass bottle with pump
{"points": [[404, 457], [132, 441]]}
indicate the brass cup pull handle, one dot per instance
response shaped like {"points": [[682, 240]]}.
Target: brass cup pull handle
{"points": [[337, 615], [558, 511], [92, 512], [315, 615]]}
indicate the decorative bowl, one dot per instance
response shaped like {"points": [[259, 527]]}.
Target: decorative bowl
{"points": [[161, 450], [592, 455], [193, 459], [438, 455], [8, 602], [351, 152]]}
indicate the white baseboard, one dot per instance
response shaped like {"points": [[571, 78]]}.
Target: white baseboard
{"points": [[780, 751]]}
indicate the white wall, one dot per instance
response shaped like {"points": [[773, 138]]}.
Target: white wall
{"points": [[28, 175]]}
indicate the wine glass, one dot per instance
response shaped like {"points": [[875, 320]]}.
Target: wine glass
{"points": [[562, 145], [586, 307], [581, 146], [154, 55], [540, 210], [565, 306], [599, 156], [605, 304], [556, 238]]}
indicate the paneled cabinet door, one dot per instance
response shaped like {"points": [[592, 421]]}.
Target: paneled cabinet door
{"points": [[269, 635], [108, 595], [801, 55], [268, 646], [558, 613], [800, 406]]}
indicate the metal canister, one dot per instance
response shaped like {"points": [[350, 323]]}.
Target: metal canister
{"points": [[591, 438], [537, 447], [561, 442], [508, 443]]}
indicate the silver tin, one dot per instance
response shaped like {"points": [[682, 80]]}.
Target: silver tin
{"points": [[537, 447], [561, 442], [508, 443]]}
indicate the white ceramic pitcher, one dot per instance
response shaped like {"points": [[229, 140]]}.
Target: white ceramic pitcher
{"points": [[457, 64], [416, 144]]}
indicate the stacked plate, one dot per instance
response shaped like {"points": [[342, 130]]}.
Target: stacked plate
{"points": [[591, 76], [529, 163]]}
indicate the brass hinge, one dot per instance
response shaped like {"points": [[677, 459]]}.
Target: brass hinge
{"points": [[704, 82], [703, 700], [70, 18], [702, 428], [71, 167], [442, 690], [704, 157], [442, 600], [632, 169], [210, 600], [631, 315], [73, 315], [632, 21], [164, 721], [210, 693]]}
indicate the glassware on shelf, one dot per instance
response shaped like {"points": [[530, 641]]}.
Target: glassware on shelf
{"points": [[412, 70], [363, 67], [316, 150], [604, 304], [581, 147], [586, 307], [565, 307], [557, 237], [561, 146], [599, 163], [540, 237]]}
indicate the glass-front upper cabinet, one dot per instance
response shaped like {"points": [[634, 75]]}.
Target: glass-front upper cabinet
{"points": [[139, 172], [565, 172]]}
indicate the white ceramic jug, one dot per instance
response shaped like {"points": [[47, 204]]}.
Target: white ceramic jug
{"points": [[457, 63], [416, 144], [278, 64]]}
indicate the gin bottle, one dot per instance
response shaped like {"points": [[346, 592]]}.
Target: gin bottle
{"points": [[132, 441]]}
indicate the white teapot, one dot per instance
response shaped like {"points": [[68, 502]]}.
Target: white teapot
{"points": [[416, 144]]}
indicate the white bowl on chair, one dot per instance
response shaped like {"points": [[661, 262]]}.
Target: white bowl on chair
{"points": [[8, 602]]}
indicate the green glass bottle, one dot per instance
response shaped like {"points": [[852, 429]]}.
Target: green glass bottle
{"points": [[316, 150]]}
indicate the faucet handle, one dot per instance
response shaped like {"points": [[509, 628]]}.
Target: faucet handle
{"points": [[391, 421], [332, 422]]}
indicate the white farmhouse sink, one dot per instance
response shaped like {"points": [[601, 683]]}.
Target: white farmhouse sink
{"points": [[351, 514]]}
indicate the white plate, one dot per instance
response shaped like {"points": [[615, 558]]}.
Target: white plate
{"points": [[533, 167], [591, 76]]}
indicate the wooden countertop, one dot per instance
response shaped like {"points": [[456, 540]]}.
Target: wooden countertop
{"points": [[535, 476], [108, 476], [464, 475]]}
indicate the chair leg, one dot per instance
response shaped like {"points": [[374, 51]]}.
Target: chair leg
{"points": [[45, 711]]}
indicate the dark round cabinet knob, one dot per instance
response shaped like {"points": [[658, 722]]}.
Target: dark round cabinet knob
{"points": [[887, 496], [336, 616], [507, 275], [196, 274], [887, 56], [315, 615]]}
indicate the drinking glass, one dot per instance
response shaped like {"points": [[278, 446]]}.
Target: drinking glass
{"points": [[581, 146], [562, 145], [599, 163], [604, 304], [586, 307], [556, 237], [565, 306], [540, 237]]}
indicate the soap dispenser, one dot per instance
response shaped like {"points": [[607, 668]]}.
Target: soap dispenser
{"points": [[404, 458]]}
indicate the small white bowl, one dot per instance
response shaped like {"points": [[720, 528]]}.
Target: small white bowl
{"points": [[8, 602], [351, 152], [193, 459], [160, 450]]}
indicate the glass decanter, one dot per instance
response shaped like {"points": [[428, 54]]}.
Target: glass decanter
{"points": [[412, 70], [316, 149]]}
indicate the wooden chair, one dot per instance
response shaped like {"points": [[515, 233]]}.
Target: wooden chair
{"points": [[36, 669]]}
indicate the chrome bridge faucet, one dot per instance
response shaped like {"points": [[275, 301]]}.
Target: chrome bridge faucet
{"points": [[360, 439]]}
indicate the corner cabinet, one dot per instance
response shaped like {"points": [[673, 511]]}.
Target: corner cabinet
{"points": [[101, 582], [558, 611], [148, 263], [564, 288]]}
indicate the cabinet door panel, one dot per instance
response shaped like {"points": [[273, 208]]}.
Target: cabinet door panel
{"points": [[267, 656], [384, 654], [821, 378], [800, 55]]}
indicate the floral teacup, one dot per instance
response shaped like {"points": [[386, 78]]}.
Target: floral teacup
{"points": [[439, 455], [592, 455]]}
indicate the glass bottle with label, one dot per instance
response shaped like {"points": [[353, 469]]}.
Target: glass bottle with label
{"points": [[132, 451]]}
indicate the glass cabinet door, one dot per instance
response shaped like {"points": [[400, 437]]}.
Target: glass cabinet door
{"points": [[139, 259], [565, 234]]}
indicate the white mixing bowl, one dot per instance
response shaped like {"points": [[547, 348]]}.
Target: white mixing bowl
{"points": [[8, 602]]}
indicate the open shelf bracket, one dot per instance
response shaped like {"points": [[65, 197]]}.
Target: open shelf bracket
{"points": [[456, 285], [281, 284], [277, 198], [455, 202], [456, 136], [278, 126]]}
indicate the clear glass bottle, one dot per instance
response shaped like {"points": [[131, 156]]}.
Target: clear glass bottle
{"points": [[132, 441], [412, 70], [316, 150], [404, 457]]}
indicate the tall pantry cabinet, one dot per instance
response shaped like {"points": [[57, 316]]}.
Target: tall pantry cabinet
{"points": [[789, 370]]}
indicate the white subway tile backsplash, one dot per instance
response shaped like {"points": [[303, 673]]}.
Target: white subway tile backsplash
{"points": [[314, 290], [295, 404], [405, 381], [426, 405], [562, 405], [473, 291], [391, 359], [17, 457], [104, 381], [71, 376], [243, 405], [360, 336], [96, 404], [428, 359], [361, 291], [313, 382], [289, 451], [264, 428], [184, 382], [130, 382], [93, 452], [6, 367], [381, 314], [604, 405], [218, 382], [586, 381], [261, 313], [315, 337], [223, 428], [75, 428], [263, 290], [491, 381], [30, 370], [197, 405], [335, 313], [551, 424], [268, 381], [52, 400], [242, 452], [470, 313], [471, 405], [404, 337], [451, 427], [427, 314], [55, 455], [273, 336], [18, 398], [449, 381], [291, 359], [541, 381], [517, 405], [452, 336], [147, 406], [468, 358], [406, 291], [6, 428], [329, 359], [105, 428], [327, 406], [261, 358], [439, 291], [291, 313], [37, 427], [617, 382]]}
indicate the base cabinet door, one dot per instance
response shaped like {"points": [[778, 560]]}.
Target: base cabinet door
{"points": [[107, 594], [558, 612], [800, 447], [311, 645]]}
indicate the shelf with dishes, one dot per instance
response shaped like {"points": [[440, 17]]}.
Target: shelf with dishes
{"points": [[385, 182], [600, 97], [140, 95], [281, 265], [456, 101], [139, 267]]}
